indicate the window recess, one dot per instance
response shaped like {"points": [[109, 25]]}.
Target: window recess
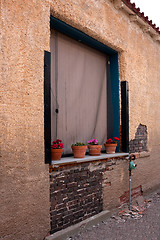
{"points": [[78, 91]]}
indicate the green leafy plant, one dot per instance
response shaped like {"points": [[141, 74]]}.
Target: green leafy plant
{"points": [[78, 144]]}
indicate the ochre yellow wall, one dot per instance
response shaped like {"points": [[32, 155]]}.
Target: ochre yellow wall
{"points": [[139, 58], [25, 35], [24, 180], [139, 54]]}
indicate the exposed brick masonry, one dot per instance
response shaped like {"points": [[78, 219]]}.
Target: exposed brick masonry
{"points": [[139, 144], [76, 194], [76, 191], [135, 192]]}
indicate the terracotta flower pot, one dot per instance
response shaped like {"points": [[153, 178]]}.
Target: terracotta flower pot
{"points": [[110, 147], [79, 151], [56, 153], [94, 150]]}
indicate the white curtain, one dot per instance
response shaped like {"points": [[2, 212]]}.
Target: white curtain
{"points": [[78, 90]]}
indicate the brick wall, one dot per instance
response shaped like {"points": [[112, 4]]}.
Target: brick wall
{"points": [[139, 144], [80, 191], [75, 194]]}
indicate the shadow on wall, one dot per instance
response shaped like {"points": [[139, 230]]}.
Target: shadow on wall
{"points": [[139, 144]]}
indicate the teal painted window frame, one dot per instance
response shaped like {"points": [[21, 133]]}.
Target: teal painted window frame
{"points": [[112, 66]]}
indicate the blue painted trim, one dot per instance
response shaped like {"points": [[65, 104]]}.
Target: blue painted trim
{"points": [[114, 75], [79, 36]]}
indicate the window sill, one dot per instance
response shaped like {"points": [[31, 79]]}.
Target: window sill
{"points": [[87, 158]]}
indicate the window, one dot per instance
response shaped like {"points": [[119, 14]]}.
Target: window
{"points": [[78, 91]]}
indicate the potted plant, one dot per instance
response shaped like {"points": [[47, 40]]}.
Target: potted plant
{"points": [[79, 149], [57, 149], [111, 145], [94, 147]]}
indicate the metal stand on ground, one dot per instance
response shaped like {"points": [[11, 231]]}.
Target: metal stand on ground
{"points": [[129, 190], [132, 165]]}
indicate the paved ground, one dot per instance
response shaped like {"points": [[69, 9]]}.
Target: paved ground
{"points": [[128, 226]]}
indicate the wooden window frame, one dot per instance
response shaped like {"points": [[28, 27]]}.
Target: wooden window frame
{"points": [[113, 108]]}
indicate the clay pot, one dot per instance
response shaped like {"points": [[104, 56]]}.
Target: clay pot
{"points": [[110, 148], [79, 151], [56, 153], [94, 150]]}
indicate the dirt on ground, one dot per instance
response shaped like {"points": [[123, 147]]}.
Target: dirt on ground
{"points": [[141, 223]]}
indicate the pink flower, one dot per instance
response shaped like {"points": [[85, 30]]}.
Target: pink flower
{"points": [[93, 141]]}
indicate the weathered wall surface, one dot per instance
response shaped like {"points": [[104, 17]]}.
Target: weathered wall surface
{"points": [[24, 178], [139, 57], [139, 54], [116, 180], [79, 191], [25, 35], [75, 193]]}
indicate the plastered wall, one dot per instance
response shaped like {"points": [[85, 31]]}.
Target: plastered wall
{"points": [[24, 181], [25, 34], [139, 57]]}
